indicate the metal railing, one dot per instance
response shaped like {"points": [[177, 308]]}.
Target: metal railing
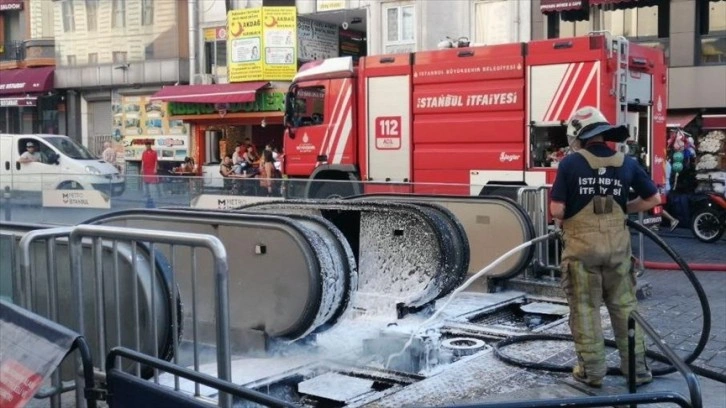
{"points": [[534, 201], [107, 287], [12, 51], [694, 387]]}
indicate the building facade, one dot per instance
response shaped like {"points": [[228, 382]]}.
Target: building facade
{"points": [[691, 32], [29, 101], [111, 55]]}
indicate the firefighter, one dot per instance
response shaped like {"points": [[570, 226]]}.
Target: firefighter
{"points": [[590, 202]]}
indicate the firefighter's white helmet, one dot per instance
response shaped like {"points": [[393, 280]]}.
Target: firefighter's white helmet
{"points": [[588, 122]]}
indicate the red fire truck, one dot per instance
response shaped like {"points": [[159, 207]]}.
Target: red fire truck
{"points": [[477, 117]]}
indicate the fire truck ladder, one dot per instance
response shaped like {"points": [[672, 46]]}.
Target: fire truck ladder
{"points": [[621, 51]]}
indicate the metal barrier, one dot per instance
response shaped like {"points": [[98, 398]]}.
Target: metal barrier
{"points": [[534, 201], [103, 290]]}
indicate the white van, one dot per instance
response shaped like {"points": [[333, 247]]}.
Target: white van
{"points": [[64, 165]]}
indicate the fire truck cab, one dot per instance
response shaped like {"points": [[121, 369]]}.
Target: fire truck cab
{"points": [[474, 117]]}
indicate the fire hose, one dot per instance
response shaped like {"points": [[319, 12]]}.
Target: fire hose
{"points": [[692, 356]]}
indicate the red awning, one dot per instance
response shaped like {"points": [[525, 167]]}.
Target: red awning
{"points": [[550, 6], [713, 122], [221, 93], [26, 80], [679, 120], [8, 5]]}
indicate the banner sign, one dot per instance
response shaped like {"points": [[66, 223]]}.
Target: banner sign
{"points": [[31, 350], [137, 119], [76, 199], [280, 29], [316, 40], [262, 44], [226, 202], [244, 45]]}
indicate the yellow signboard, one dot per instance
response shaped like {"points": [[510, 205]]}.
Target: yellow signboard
{"points": [[280, 30], [244, 45], [262, 44]]}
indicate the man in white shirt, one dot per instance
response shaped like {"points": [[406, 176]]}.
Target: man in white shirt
{"points": [[109, 154], [31, 154]]}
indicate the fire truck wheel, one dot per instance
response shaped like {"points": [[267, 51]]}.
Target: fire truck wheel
{"points": [[333, 189]]}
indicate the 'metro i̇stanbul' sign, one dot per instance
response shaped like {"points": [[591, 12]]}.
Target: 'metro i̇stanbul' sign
{"points": [[264, 102]]}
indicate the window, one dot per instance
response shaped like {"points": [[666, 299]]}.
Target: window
{"points": [[149, 51], [71, 59], [69, 23], [712, 27], [548, 145], [92, 58], [92, 14], [119, 57], [309, 105], [147, 12], [492, 22], [633, 23], [119, 13], [215, 54], [399, 32], [572, 28]]}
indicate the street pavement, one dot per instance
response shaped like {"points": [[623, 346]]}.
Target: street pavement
{"points": [[673, 307]]}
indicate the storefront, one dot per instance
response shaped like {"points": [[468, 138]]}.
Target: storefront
{"points": [[697, 142], [28, 102], [222, 116]]}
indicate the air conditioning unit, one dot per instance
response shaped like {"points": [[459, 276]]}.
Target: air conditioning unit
{"points": [[203, 79]]}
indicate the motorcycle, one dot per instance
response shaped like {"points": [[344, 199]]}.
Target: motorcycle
{"points": [[708, 220]]}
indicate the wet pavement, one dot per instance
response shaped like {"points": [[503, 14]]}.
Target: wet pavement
{"points": [[673, 307]]}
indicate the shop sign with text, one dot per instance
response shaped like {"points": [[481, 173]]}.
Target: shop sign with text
{"points": [[330, 5], [262, 44], [264, 102]]}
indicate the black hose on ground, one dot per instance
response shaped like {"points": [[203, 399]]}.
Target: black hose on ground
{"points": [[705, 331]]}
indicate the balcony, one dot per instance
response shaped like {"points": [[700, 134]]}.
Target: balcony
{"points": [[12, 54], [28, 53]]}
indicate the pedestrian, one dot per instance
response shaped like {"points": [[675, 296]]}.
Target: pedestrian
{"points": [[149, 169], [109, 154], [590, 201]]}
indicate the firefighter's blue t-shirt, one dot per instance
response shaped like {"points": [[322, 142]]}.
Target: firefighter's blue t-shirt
{"points": [[576, 183]]}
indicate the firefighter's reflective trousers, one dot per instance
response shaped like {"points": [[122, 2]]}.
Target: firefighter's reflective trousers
{"points": [[597, 267]]}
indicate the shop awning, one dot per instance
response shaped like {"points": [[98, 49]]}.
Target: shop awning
{"points": [[679, 120], [220, 93], [26, 81], [550, 6], [569, 10], [17, 100], [710, 122]]}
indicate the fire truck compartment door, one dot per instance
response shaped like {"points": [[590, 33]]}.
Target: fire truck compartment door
{"points": [[640, 88], [389, 128], [557, 91]]}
